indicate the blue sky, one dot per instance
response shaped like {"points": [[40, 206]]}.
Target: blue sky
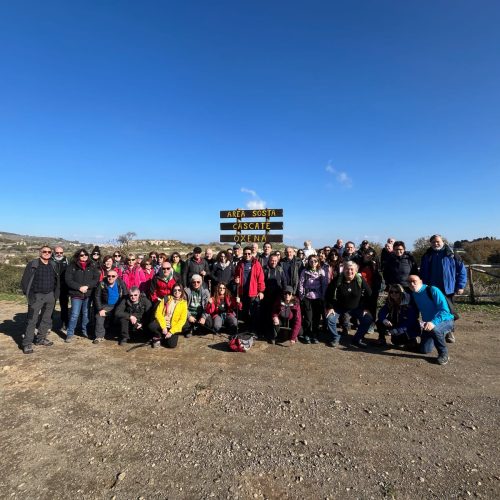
{"points": [[359, 119]]}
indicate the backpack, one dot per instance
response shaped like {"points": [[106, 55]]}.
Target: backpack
{"points": [[241, 342], [449, 302]]}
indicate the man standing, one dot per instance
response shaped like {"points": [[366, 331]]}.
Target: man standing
{"points": [[40, 285], [249, 280], [195, 265], [264, 256], [436, 316], [339, 246], [442, 268], [291, 266], [275, 283], [237, 253], [62, 262]]}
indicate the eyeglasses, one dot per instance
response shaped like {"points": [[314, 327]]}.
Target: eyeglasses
{"points": [[134, 295], [59, 253], [84, 255], [96, 253], [222, 288], [195, 281], [116, 255], [130, 260], [247, 253], [394, 292], [46, 251], [176, 290], [288, 293], [166, 268], [112, 275]]}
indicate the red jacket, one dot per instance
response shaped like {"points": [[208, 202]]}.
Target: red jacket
{"points": [[231, 306], [257, 282], [291, 312], [160, 287]]}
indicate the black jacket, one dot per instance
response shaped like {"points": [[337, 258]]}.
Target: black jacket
{"points": [[29, 274], [76, 277], [275, 282], [397, 269], [140, 310], [347, 296], [291, 267], [101, 293], [192, 267], [220, 275]]}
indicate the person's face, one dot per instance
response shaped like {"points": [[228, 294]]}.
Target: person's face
{"points": [[391, 241], [160, 259], [134, 297], [117, 256], [287, 297], [437, 243], [84, 257], [273, 261], [58, 252], [238, 252], [415, 283], [247, 255], [221, 289], [131, 262], [395, 295], [166, 268], [300, 254], [289, 253], [197, 256], [196, 284], [328, 250], [399, 250], [176, 293], [349, 273], [340, 243], [108, 264], [267, 248], [177, 258], [255, 248], [95, 255], [322, 256], [209, 253], [45, 253], [111, 277], [313, 262], [222, 257], [139, 260], [350, 248]]}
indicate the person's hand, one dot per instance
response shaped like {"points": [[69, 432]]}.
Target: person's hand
{"points": [[211, 300], [387, 323], [428, 326], [83, 289], [329, 312], [102, 313], [202, 321], [365, 312], [168, 335], [203, 273], [460, 291], [238, 300], [237, 280], [192, 319], [133, 320], [138, 326], [260, 295], [165, 332], [276, 321]]}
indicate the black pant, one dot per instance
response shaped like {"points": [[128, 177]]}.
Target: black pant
{"points": [[40, 307], [156, 330], [126, 328], [311, 309]]}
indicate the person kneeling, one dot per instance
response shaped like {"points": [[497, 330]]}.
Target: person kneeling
{"points": [[436, 316], [197, 300], [286, 314], [170, 317], [398, 318], [221, 309], [132, 314]]}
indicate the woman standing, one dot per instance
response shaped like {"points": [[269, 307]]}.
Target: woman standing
{"points": [[133, 275], [312, 287], [223, 269], [107, 264], [177, 263], [81, 277]]}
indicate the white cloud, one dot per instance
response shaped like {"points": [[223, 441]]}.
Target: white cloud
{"points": [[341, 177], [256, 203]]}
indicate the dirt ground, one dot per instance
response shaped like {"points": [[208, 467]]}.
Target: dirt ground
{"points": [[307, 421]]}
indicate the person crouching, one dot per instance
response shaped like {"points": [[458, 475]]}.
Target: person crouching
{"points": [[286, 314], [132, 314]]}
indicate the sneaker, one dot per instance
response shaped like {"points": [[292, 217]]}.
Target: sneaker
{"points": [[359, 343], [122, 342], [307, 340], [28, 349], [332, 344], [314, 340], [85, 334], [155, 344], [443, 359], [44, 342], [68, 339], [97, 340], [188, 335], [450, 338]]}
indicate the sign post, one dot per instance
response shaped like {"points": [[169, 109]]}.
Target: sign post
{"points": [[240, 225]]}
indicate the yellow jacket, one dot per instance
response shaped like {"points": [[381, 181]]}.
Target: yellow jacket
{"points": [[179, 317]]}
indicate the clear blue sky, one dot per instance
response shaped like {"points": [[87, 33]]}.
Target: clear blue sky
{"points": [[359, 119]]}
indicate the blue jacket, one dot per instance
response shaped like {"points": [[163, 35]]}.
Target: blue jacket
{"points": [[435, 310], [454, 272]]}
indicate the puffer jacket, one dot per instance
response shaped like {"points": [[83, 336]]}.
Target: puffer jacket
{"points": [[77, 277]]}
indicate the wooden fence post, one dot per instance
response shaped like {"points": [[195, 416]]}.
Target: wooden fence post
{"points": [[471, 286]]}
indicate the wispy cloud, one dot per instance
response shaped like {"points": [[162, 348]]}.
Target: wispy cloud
{"points": [[256, 203], [340, 176]]}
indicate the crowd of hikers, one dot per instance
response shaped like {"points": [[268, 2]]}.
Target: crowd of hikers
{"points": [[302, 295]]}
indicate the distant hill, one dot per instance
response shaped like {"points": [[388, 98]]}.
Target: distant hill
{"points": [[10, 238]]}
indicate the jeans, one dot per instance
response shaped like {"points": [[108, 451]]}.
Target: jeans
{"points": [[365, 322], [40, 306], [77, 306], [436, 338]]}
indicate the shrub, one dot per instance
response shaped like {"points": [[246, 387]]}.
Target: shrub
{"points": [[10, 279]]}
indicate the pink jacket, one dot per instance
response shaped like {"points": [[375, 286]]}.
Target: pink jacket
{"points": [[133, 277]]}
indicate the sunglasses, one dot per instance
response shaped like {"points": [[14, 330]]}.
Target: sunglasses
{"points": [[247, 253], [46, 251], [84, 255], [59, 253], [394, 292], [130, 260], [166, 268], [96, 253], [176, 290], [116, 255], [195, 281], [134, 295], [288, 293], [112, 275]]}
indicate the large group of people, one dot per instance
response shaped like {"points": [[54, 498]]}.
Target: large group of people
{"points": [[302, 295]]}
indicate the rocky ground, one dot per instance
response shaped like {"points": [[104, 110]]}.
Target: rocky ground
{"points": [[86, 421]]}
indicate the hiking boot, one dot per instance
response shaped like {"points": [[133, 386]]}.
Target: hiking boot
{"points": [[314, 340], [188, 335], [122, 342], [97, 340], [332, 344], [443, 359], [85, 334], [271, 341], [68, 339], [28, 349], [44, 342], [155, 344], [359, 343], [450, 338], [307, 340]]}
